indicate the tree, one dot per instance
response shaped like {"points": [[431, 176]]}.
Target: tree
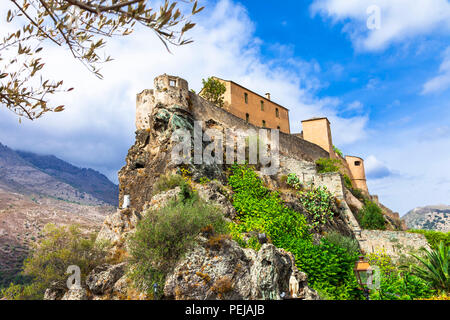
{"points": [[213, 91], [81, 26], [48, 262]]}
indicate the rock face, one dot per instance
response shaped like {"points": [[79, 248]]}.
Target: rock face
{"points": [[221, 269], [101, 280]]}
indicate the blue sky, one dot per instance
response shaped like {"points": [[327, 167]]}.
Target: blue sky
{"points": [[386, 91]]}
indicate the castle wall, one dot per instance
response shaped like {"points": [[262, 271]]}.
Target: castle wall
{"points": [[289, 144], [236, 104], [318, 131], [394, 243]]}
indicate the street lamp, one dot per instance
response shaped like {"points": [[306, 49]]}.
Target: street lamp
{"points": [[363, 271]]}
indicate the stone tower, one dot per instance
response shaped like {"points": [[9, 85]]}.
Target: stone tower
{"points": [[167, 89], [356, 166], [318, 131]]}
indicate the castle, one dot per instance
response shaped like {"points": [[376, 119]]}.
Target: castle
{"points": [[261, 112]]}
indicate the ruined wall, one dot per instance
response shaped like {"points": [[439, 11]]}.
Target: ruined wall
{"points": [[395, 243]]}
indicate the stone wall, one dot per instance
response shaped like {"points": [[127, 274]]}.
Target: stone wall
{"points": [[289, 144], [395, 243]]}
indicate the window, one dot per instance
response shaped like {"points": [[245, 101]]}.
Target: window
{"points": [[247, 117], [172, 83], [264, 123], [262, 105], [357, 163], [277, 113], [246, 97]]}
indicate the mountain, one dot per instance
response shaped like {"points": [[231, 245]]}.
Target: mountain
{"points": [[29, 173], [429, 218], [36, 190]]}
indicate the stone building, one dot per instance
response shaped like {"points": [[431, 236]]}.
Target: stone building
{"points": [[258, 110], [356, 165]]}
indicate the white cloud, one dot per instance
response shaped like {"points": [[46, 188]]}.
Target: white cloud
{"points": [[375, 169], [97, 127], [400, 19], [440, 82]]}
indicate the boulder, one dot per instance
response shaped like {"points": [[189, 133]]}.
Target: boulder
{"points": [[218, 268], [75, 294], [102, 279], [56, 290]]}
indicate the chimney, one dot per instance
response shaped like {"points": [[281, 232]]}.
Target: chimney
{"points": [[268, 96]]}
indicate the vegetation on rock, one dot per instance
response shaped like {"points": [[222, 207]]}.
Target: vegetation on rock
{"points": [[326, 165], [163, 236], [371, 217], [329, 267]]}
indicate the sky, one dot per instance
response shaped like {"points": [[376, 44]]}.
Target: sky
{"points": [[386, 90]]}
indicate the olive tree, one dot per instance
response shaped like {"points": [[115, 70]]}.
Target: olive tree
{"points": [[81, 27]]}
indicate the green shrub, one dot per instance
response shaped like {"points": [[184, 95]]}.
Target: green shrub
{"points": [[162, 237], [348, 243], [328, 266], [168, 182], [48, 262], [371, 217], [318, 202], [338, 151], [293, 181], [434, 237], [348, 182], [325, 165], [394, 284]]}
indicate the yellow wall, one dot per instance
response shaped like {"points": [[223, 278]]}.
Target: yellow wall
{"points": [[234, 99], [358, 172], [318, 132]]}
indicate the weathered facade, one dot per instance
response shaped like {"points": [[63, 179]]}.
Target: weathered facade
{"points": [[253, 108]]}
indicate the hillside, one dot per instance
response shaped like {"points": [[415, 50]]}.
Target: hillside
{"points": [[429, 218], [28, 173], [36, 190], [23, 217], [86, 180]]}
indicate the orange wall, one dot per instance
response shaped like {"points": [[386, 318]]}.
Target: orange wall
{"points": [[318, 132], [235, 104]]}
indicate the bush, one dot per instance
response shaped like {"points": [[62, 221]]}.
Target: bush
{"points": [[325, 165], [348, 182], [318, 202], [371, 217], [60, 248], [168, 182], [394, 284], [348, 243], [434, 237], [338, 151], [293, 181], [162, 237]]}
